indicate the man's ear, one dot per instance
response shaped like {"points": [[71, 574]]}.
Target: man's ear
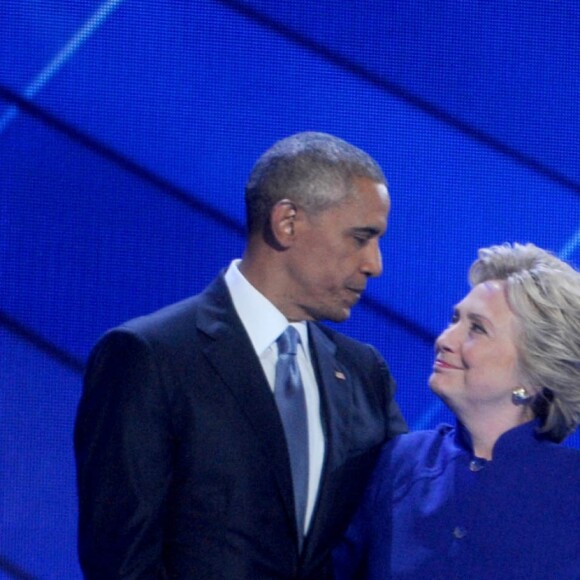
{"points": [[283, 222]]}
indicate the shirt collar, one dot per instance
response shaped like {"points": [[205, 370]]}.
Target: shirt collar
{"points": [[515, 440], [265, 328]]}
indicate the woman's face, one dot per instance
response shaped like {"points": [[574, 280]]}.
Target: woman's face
{"points": [[476, 360]]}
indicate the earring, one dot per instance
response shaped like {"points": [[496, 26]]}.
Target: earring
{"points": [[521, 397]]}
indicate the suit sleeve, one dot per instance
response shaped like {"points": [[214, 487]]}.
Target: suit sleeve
{"points": [[123, 446], [396, 424], [369, 532], [350, 556]]}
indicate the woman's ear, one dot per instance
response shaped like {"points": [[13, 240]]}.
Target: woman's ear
{"points": [[282, 221]]}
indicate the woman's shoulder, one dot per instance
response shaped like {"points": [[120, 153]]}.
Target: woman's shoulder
{"points": [[426, 449], [562, 455], [418, 456]]}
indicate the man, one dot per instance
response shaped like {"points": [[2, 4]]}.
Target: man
{"points": [[188, 463]]}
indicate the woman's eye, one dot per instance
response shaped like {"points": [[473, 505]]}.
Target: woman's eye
{"points": [[475, 327]]}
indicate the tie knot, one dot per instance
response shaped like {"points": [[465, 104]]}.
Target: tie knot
{"points": [[288, 341]]}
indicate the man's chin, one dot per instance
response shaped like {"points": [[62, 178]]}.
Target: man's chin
{"points": [[336, 314], [339, 316]]}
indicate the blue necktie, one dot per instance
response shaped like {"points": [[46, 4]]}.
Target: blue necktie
{"points": [[289, 395]]}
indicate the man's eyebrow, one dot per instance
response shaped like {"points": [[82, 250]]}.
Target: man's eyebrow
{"points": [[369, 231]]}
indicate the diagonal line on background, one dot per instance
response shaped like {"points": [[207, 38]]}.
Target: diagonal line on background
{"points": [[428, 416], [14, 571], [402, 94], [62, 56], [406, 323], [570, 246], [41, 343], [121, 161], [427, 419]]}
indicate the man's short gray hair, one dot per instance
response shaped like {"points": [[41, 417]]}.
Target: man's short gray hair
{"points": [[315, 170]]}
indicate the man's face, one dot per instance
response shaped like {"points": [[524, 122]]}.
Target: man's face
{"points": [[336, 252]]}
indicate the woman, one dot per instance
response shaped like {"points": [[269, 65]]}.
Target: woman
{"points": [[497, 496]]}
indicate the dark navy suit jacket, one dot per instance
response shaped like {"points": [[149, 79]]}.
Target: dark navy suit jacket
{"points": [[182, 466]]}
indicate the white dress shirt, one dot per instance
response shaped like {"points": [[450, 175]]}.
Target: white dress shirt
{"points": [[263, 330]]}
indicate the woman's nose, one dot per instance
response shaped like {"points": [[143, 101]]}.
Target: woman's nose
{"points": [[445, 341]]}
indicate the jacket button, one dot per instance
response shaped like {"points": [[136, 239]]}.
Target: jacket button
{"points": [[475, 465], [459, 532]]}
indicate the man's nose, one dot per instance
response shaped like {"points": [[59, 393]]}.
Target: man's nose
{"points": [[373, 260]]}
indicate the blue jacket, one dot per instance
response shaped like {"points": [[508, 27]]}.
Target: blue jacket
{"points": [[433, 510]]}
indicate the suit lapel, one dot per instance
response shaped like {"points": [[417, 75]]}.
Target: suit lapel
{"points": [[233, 358], [334, 384]]}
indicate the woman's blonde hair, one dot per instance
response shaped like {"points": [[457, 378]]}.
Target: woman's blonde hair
{"points": [[544, 295]]}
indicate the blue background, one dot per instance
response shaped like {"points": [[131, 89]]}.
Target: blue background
{"points": [[128, 128]]}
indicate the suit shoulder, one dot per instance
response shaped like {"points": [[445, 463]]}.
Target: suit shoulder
{"points": [[349, 346], [170, 316], [177, 322]]}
